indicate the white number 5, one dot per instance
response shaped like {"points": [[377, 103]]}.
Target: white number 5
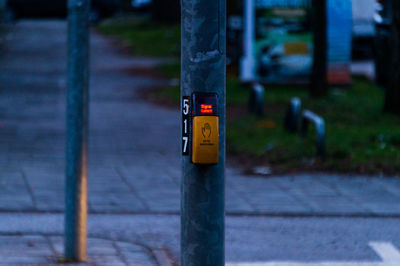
{"points": [[185, 106]]}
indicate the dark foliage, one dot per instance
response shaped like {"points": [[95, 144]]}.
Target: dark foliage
{"points": [[166, 10]]}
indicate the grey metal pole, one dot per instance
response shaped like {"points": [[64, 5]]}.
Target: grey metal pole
{"points": [[247, 65], [77, 130], [203, 186]]}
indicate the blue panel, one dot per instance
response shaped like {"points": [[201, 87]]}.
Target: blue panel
{"points": [[339, 31]]}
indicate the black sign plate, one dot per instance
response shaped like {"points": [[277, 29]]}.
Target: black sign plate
{"points": [[185, 125]]}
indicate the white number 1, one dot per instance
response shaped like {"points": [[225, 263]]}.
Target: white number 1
{"points": [[185, 125]]}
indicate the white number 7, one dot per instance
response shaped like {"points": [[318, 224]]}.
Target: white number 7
{"points": [[185, 144]]}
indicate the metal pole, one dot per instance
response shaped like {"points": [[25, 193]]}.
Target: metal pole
{"points": [[203, 186], [248, 61], [77, 130]]}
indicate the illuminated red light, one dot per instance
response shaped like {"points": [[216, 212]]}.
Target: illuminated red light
{"points": [[206, 111], [206, 108]]}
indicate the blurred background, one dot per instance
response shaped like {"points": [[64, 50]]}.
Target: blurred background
{"points": [[274, 47], [313, 142]]}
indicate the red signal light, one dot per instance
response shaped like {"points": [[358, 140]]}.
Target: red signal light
{"points": [[206, 108]]}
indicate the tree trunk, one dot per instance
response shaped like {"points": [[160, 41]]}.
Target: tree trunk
{"points": [[319, 83], [166, 10], [392, 96]]}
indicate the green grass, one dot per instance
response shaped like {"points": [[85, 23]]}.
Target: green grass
{"points": [[145, 37], [360, 138]]}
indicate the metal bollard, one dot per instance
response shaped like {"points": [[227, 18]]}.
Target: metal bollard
{"points": [[77, 130], [310, 117], [292, 117], [203, 186], [256, 102]]}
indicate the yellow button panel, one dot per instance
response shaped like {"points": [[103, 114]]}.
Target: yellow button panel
{"points": [[205, 141]]}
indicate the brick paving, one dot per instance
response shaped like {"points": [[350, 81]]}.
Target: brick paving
{"points": [[48, 250]]}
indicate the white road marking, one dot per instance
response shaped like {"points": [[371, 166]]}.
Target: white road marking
{"points": [[389, 254], [312, 264], [386, 251]]}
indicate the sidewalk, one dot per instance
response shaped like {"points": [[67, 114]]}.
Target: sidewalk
{"points": [[134, 160], [40, 250]]}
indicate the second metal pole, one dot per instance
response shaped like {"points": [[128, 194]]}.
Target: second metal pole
{"points": [[77, 130], [203, 195]]}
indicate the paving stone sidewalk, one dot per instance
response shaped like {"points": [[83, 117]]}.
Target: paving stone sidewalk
{"points": [[48, 250], [134, 146]]}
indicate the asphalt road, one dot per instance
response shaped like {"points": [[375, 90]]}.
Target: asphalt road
{"points": [[248, 239]]}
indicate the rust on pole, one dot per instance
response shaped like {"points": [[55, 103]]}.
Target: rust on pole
{"points": [[77, 130]]}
